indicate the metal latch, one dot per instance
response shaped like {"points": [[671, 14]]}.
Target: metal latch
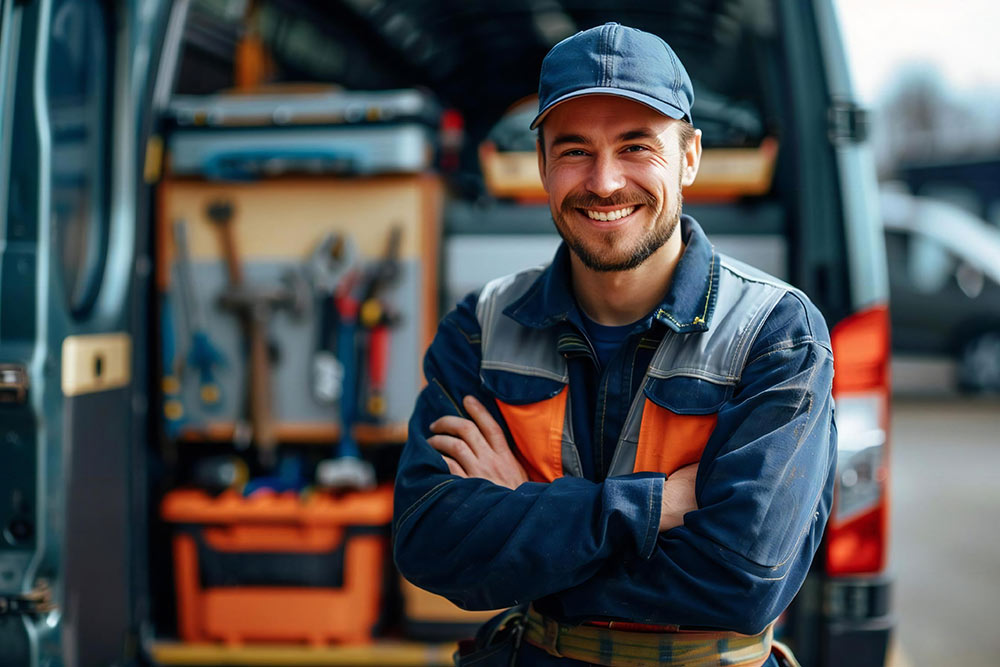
{"points": [[37, 601], [849, 122], [13, 383]]}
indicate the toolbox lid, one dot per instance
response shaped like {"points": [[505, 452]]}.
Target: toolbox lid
{"points": [[365, 508], [278, 108]]}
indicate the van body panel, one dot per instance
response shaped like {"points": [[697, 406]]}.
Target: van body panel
{"points": [[856, 166], [73, 115]]}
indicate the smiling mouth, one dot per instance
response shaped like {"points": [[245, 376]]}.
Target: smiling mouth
{"points": [[609, 216]]}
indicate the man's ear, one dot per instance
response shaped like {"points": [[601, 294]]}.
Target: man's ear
{"points": [[540, 150], [692, 159]]}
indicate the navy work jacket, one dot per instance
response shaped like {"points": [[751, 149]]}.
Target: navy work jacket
{"points": [[589, 547]]}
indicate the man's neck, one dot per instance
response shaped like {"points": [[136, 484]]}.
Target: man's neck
{"points": [[622, 297]]}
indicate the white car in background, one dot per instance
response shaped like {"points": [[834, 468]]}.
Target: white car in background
{"points": [[944, 277]]}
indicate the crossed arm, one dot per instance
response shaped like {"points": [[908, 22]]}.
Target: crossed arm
{"points": [[477, 447], [468, 527]]}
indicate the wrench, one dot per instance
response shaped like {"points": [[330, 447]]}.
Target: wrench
{"points": [[332, 260]]}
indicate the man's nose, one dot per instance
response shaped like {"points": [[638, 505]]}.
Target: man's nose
{"points": [[606, 176]]}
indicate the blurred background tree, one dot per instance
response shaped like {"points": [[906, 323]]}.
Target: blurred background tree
{"points": [[921, 118]]}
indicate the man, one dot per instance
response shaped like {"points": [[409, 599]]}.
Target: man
{"points": [[637, 438]]}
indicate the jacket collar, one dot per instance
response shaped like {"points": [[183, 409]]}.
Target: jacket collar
{"points": [[687, 306]]}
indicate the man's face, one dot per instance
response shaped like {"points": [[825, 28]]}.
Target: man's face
{"points": [[614, 169]]}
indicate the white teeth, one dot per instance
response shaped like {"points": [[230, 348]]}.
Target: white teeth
{"points": [[613, 215]]}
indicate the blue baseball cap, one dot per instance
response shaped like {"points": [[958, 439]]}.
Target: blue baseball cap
{"points": [[613, 59]]}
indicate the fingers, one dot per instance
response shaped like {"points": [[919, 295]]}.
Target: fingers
{"points": [[463, 429], [678, 497], [476, 447], [688, 472], [487, 425], [454, 468], [454, 448]]}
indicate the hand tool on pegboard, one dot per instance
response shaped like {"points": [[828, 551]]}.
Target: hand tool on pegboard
{"points": [[347, 470], [334, 257], [255, 305], [173, 407], [377, 318], [202, 354]]}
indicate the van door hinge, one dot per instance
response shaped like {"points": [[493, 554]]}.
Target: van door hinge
{"points": [[37, 601], [849, 122]]}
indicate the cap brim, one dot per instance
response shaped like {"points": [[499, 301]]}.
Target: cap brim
{"points": [[651, 102]]}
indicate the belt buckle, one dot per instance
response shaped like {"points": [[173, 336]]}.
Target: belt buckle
{"points": [[551, 638], [520, 623]]}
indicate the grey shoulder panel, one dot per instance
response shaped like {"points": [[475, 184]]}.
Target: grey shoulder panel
{"points": [[505, 290], [508, 345], [746, 297], [753, 274]]}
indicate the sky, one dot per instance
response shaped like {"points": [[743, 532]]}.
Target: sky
{"points": [[960, 38]]}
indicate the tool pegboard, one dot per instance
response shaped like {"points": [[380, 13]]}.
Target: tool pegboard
{"points": [[294, 260]]}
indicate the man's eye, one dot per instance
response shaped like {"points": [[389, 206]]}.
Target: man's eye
{"points": [[575, 152], [635, 149]]}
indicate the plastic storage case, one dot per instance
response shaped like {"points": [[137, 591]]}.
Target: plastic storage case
{"points": [[344, 132], [273, 567]]}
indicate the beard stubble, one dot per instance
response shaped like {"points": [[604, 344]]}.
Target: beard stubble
{"points": [[602, 259]]}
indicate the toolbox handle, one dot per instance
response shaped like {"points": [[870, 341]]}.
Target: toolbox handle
{"points": [[250, 164], [274, 538]]}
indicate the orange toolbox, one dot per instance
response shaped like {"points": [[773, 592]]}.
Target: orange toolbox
{"points": [[276, 567]]}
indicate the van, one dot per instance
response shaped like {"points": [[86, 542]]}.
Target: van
{"points": [[91, 106]]}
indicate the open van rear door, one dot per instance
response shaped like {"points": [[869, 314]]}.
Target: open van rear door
{"points": [[72, 364]]}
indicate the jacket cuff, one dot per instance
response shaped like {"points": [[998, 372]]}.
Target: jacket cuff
{"points": [[637, 499]]}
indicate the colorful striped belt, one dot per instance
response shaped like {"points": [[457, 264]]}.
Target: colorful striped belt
{"points": [[615, 647]]}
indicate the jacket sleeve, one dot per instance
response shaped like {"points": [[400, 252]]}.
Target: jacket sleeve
{"points": [[484, 546], [764, 492]]}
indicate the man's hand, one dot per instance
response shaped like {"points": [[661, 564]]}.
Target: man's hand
{"points": [[678, 497], [477, 447]]}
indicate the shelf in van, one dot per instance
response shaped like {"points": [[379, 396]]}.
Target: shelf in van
{"points": [[320, 433], [384, 653]]}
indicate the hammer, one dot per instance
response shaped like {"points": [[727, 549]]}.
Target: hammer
{"points": [[255, 306]]}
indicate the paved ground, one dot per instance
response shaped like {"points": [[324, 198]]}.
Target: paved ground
{"points": [[945, 461]]}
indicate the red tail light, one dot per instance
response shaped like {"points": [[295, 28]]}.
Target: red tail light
{"points": [[857, 535]]}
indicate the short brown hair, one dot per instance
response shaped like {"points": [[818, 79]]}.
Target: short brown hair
{"points": [[685, 134]]}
